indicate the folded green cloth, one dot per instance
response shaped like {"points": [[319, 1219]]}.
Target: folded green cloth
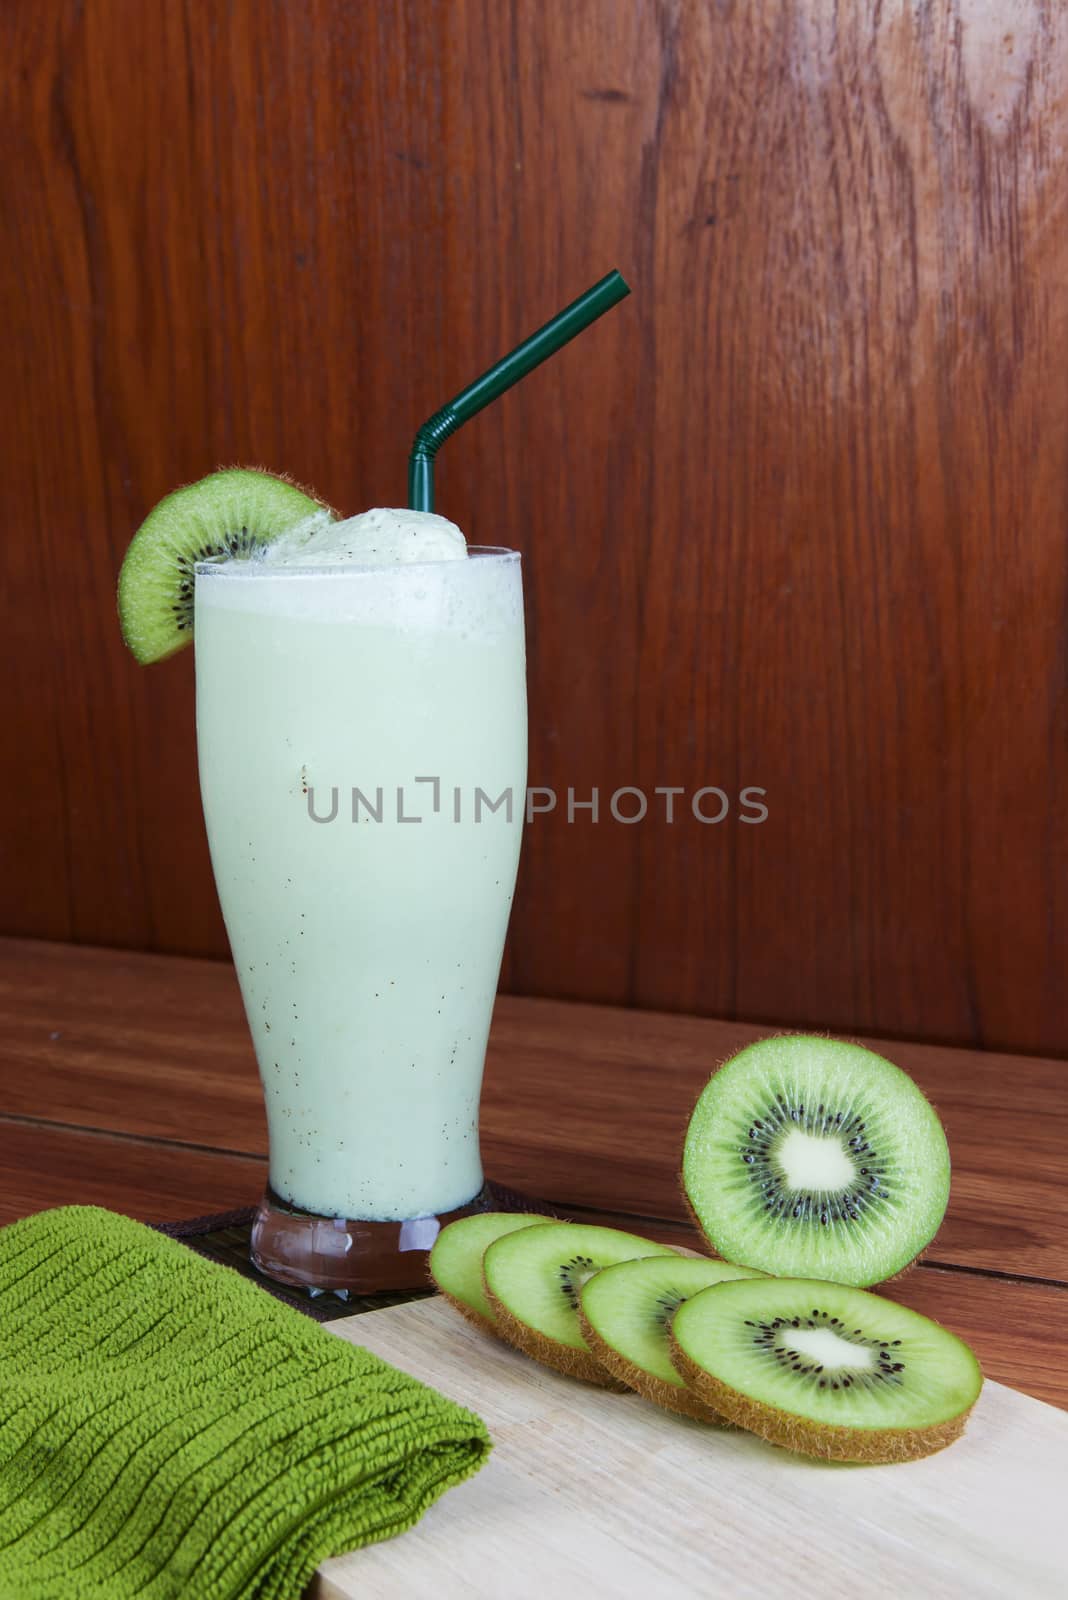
{"points": [[167, 1428]]}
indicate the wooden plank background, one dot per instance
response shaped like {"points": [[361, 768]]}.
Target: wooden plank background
{"points": [[794, 516]]}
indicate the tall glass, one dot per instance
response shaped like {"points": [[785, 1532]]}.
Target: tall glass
{"points": [[362, 745]]}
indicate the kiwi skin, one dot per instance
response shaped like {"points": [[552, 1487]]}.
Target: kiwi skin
{"points": [[475, 1318], [684, 1402], [581, 1364], [870, 1447]]}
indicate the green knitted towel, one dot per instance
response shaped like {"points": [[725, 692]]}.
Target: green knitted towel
{"points": [[166, 1428]]}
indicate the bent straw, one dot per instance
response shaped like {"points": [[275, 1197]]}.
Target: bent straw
{"points": [[523, 359]]}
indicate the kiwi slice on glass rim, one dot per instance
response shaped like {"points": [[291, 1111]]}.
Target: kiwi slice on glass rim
{"points": [[532, 1280], [809, 1157], [625, 1313], [235, 512], [456, 1260], [825, 1369]]}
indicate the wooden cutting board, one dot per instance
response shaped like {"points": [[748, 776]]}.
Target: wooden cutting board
{"points": [[590, 1493]]}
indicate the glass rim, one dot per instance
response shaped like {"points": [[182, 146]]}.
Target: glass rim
{"points": [[227, 567]]}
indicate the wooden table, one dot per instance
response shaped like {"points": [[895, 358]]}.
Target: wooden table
{"points": [[128, 1080]]}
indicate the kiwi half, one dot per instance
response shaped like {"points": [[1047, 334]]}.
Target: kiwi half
{"points": [[625, 1313], [532, 1280], [231, 513], [456, 1260], [826, 1370], [814, 1158]]}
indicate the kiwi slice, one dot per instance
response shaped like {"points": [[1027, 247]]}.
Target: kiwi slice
{"points": [[809, 1157], [826, 1370], [532, 1280], [456, 1260], [625, 1312], [230, 513]]}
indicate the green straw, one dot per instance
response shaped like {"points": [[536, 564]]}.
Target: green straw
{"points": [[523, 359]]}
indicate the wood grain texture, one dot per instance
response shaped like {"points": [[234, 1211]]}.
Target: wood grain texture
{"points": [[583, 1105], [792, 517], [1014, 1327], [629, 1501], [42, 1165], [590, 1105], [129, 1082], [120, 1041]]}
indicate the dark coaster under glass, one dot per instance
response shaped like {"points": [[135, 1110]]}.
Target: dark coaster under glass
{"points": [[346, 1255]]}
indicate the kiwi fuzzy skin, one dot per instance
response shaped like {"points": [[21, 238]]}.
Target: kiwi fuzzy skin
{"points": [[280, 477], [684, 1402], [866, 1446], [550, 1352], [294, 483], [475, 1318], [831, 1038]]}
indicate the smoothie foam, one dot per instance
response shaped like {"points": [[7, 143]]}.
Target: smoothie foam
{"points": [[387, 536]]}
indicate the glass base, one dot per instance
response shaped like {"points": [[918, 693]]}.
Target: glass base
{"points": [[343, 1254]]}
